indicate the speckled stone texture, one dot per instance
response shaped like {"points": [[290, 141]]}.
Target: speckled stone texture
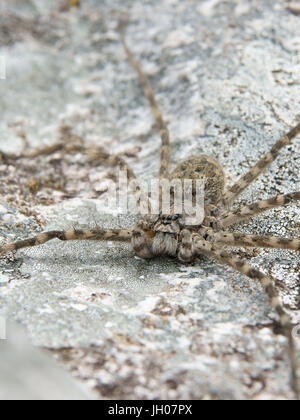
{"points": [[226, 76]]}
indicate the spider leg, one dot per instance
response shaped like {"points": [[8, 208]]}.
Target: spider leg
{"points": [[122, 235], [206, 248], [245, 212], [148, 91], [95, 154], [185, 251], [250, 241], [257, 169], [142, 240], [118, 161], [92, 152]]}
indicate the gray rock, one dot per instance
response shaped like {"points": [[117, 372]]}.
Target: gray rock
{"points": [[28, 373], [226, 75]]}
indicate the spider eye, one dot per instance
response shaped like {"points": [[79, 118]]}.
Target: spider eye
{"points": [[176, 217]]}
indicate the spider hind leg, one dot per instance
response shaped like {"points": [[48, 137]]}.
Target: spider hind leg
{"points": [[208, 249]]}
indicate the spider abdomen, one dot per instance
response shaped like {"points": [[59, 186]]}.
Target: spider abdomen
{"points": [[205, 168]]}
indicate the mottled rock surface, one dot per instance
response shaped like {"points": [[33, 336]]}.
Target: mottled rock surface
{"points": [[226, 75]]}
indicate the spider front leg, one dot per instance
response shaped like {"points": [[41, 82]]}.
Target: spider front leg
{"points": [[93, 153], [246, 212], [249, 241], [142, 240], [203, 247], [122, 235], [186, 250], [257, 169]]}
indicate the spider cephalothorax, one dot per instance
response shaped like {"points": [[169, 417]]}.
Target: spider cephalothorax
{"points": [[173, 234], [156, 235], [164, 234]]}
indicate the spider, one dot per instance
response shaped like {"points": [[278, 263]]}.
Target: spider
{"points": [[169, 235]]}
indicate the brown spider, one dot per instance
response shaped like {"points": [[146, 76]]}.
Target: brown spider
{"points": [[169, 235]]}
